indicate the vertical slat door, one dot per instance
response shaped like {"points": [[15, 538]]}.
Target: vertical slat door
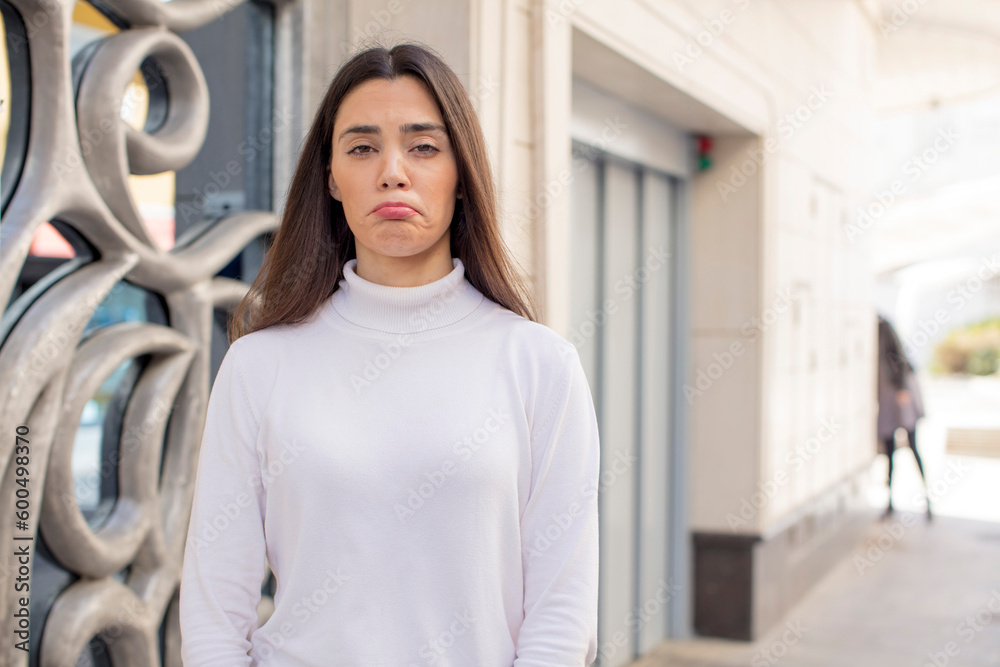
{"points": [[618, 411], [621, 259], [655, 589]]}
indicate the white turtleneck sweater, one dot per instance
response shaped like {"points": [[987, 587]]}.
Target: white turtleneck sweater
{"points": [[420, 467]]}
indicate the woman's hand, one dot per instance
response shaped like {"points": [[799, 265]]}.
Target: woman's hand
{"points": [[903, 396]]}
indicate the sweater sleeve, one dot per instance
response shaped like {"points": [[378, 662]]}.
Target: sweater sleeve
{"points": [[559, 528], [224, 556]]}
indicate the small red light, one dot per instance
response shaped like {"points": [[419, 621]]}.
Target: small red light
{"points": [[704, 144]]}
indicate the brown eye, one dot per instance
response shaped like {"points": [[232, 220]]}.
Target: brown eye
{"points": [[360, 146]]}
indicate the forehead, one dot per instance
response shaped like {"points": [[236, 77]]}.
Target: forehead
{"points": [[403, 98]]}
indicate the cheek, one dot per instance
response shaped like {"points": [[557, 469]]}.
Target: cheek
{"points": [[350, 200], [443, 178], [445, 202], [348, 179]]}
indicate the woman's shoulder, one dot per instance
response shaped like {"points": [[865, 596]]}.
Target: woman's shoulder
{"points": [[259, 353], [537, 342], [262, 341]]}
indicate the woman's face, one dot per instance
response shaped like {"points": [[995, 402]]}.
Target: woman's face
{"points": [[390, 145]]}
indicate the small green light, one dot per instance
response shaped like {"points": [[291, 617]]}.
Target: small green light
{"points": [[704, 163]]}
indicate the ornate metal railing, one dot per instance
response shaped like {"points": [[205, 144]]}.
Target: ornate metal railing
{"points": [[79, 154]]}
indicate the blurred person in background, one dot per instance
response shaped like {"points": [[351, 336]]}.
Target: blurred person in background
{"points": [[899, 402]]}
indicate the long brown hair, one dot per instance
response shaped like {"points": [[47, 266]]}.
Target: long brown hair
{"points": [[305, 263]]}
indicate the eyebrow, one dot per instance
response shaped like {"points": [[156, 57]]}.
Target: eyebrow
{"points": [[407, 128]]}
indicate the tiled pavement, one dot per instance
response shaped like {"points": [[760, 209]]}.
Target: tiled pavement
{"points": [[909, 596]]}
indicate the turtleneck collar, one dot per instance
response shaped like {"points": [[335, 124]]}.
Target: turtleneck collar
{"points": [[405, 310]]}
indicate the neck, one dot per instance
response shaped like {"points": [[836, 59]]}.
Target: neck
{"points": [[409, 271], [405, 310]]}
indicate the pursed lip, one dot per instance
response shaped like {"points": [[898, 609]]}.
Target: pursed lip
{"points": [[397, 204]]}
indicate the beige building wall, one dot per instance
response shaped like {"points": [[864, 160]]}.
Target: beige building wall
{"points": [[768, 244], [781, 375]]}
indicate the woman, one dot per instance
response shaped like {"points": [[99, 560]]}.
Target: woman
{"points": [[899, 402], [415, 455]]}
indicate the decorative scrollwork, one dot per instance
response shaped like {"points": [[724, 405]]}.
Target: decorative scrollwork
{"points": [[116, 147], [47, 374]]}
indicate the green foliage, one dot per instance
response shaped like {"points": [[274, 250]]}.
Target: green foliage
{"points": [[973, 349]]}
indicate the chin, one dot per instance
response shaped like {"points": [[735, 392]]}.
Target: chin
{"points": [[398, 252]]}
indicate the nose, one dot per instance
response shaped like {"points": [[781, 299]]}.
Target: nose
{"points": [[393, 170]]}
